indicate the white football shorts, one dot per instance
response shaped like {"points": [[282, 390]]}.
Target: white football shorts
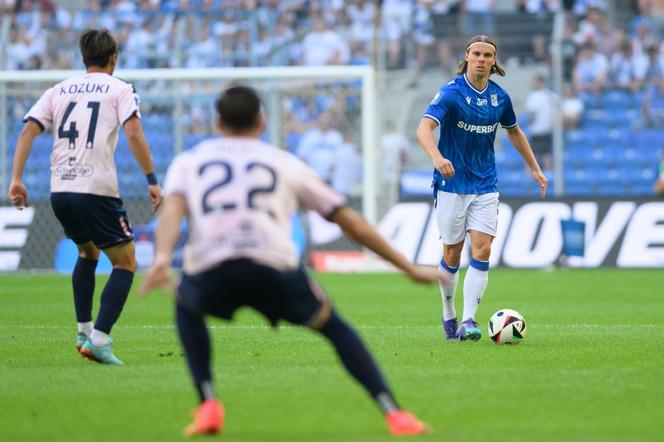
{"points": [[458, 213]]}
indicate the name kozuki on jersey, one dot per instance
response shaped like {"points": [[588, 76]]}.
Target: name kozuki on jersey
{"points": [[81, 88]]}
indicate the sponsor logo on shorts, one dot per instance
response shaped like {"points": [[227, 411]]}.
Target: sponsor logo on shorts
{"points": [[124, 226]]}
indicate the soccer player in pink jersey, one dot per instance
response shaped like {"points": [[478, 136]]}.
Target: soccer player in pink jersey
{"points": [[85, 112], [238, 194]]}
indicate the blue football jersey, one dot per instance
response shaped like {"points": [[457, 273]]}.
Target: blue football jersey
{"points": [[468, 121]]}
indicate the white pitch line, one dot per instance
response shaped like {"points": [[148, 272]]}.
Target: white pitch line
{"points": [[362, 327]]}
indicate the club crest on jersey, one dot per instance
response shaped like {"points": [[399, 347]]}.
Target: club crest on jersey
{"points": [[494, 100], [468, 100], [481, 101]]}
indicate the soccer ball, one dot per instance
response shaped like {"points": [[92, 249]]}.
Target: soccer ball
{"points": [[507, 327]]}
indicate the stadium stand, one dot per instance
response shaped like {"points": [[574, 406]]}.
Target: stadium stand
{"points": [[612, 152]]}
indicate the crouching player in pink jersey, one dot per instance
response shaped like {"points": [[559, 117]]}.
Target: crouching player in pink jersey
{"points": [[85, 112], [238, 194]]}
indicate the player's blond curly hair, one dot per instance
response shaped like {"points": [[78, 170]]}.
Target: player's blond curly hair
{"points": [[495, 69]]}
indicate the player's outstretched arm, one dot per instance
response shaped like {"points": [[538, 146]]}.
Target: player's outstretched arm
{"points": [[168, 232], [358, 229], [521, 144], [428, 144], [139, 147], [18, 194]]}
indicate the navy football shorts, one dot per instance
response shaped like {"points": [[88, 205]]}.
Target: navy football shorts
{"points": [[278, 295], [85, 217]]}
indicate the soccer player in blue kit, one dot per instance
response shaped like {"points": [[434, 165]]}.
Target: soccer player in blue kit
{"points": [[468, 110]]}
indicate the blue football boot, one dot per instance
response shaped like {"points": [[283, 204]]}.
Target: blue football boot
{"points": [[103, 354], [469, 331], [450, 327]]}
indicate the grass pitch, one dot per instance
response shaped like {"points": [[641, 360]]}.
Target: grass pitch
{"points": [[591, 367]]}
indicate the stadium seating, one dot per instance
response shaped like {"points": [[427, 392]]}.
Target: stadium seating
{"points": [[608, 155]]}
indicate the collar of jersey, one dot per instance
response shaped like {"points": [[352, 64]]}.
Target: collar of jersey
{"points": [[473, 88]]}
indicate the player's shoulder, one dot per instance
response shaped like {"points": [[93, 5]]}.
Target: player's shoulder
{"points": [[121, 83], [184, 157], [495, 88], [452, 85], [447, 92], [192, 154]]}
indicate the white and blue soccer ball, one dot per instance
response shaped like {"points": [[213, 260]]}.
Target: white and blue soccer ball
{"points": [[507, 326]]}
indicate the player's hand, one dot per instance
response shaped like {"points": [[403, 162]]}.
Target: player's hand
{"points": [[444, 166], [159, 275], [154, 193], [543, 182], [427, 274], [18, 194]]}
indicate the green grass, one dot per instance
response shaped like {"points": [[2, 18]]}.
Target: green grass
{"points": [[591, 367]]}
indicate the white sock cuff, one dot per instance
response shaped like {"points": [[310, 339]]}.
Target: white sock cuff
{"points": [[85, 327], [477, 274], [98, 338]]}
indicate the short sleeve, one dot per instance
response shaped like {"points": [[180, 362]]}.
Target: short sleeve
{"points": [[311, 191], [439, 106], [128, 103], [508, 118], [42, 112], [175, 181]]}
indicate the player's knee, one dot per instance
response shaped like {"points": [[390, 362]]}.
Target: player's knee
{"points": [[88, 251], [452, 258], [333, 326], [322, 316], [124, 259], [89, 254], [482, 252], [127, 264]]}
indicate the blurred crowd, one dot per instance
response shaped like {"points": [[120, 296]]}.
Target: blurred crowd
{"points": [[607, 46], [201, 33], [613, 72]]}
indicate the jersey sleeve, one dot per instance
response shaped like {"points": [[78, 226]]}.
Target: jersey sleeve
{"points": [[128, 103], [311, 191], [508, 118], [176, 177], [42, 112], [439, 106]]}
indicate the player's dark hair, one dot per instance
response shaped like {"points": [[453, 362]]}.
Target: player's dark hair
{"points": [[239, 107], [97, 46], [495, 69]]}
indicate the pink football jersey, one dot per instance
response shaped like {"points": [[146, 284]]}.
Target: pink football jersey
{"points": [[241, 194], [85, 113]]}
